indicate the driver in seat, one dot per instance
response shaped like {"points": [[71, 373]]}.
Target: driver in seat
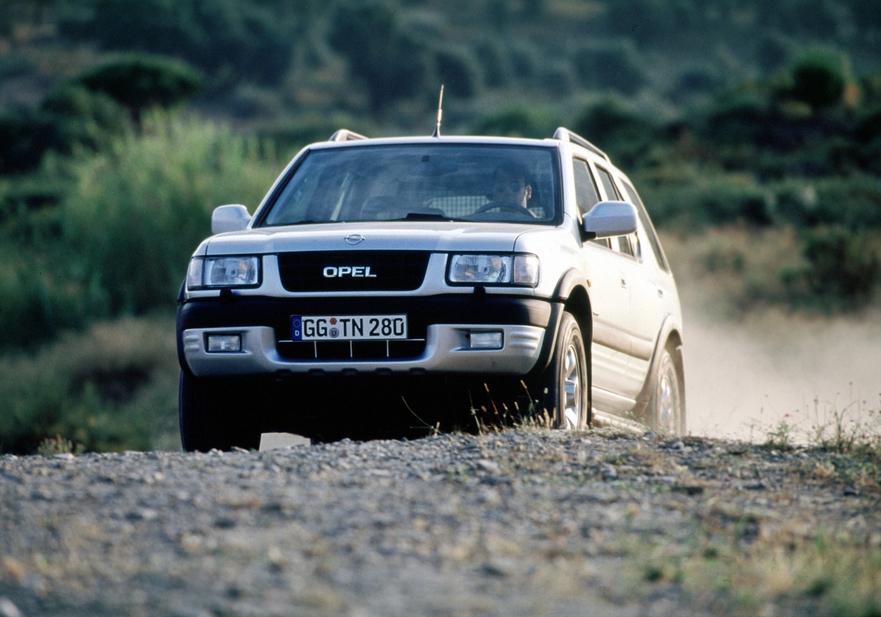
{"points": [[510, 186]]}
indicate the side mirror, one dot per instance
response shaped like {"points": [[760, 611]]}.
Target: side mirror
{"points": [[229, 218], [610, 218]]}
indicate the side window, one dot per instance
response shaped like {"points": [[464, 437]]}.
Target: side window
{"points": [[608, 184], [586, 195], [629, 244], [652, 237]]}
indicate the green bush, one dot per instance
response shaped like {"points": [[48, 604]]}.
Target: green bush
{"points": [[818, 79], [494, 62], [69, 118], [380, 52], [613, 65], [867, 135], [780, 138], [523, 57], [556, 77], [290, 136], [621, 129], [110, 389], [86, 117], [74, 100], [689, 196], [710, 200], [458, 72], [739, 118], [140, 82], [236, 40], [773, 51], [134, 214], [853, 202], [870, 85], [102, 234], [37, 300], [842, 270], [25, 136], [252, 102], [519, 121], [695, 84]]}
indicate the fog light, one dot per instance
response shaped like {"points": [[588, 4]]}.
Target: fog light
{"points": [[224, 343], [485, 340]]}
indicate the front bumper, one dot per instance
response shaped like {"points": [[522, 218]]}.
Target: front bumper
{"points": [[442, 325]]}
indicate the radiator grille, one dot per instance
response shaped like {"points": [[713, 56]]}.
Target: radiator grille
{"points": [[367, 270]]}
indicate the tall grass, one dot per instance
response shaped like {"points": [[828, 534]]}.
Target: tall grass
{"points": [[33, 301], [116, 244], [126, 221], [136, 212]]}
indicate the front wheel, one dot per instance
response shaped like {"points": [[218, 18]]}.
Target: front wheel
{"points": [[666, 406], [218, 413], [566, 383]]}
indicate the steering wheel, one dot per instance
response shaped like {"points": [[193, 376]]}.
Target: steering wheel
{"points": [[507, 206]]}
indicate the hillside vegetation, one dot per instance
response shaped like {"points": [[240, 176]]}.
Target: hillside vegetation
{"points": [[122, 125]]}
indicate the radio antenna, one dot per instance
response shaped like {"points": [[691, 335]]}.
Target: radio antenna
{"points": [[440, 113]]}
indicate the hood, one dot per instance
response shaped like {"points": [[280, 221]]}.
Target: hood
{"points": [[421, 236]]}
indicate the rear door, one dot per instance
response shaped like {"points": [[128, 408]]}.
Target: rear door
{"points": [[629, 274], [652, 288]]}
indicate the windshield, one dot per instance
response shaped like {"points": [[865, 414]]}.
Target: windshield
{"points": [[419, 182]]}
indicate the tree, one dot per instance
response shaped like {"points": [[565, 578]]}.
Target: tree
{"points": [[819, 78], [615, 65], [379, 51], [140, 81], [228, 39], [619, 128], [457, 71]]}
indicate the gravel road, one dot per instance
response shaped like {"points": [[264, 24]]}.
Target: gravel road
{"points": [[526, 522]]}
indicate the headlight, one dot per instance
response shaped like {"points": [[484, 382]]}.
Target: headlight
{"points": [[208, 272], [494, 270], [480, 269]]}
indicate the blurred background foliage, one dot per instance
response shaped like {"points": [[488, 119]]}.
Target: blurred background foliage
{"points": [[122, 125]]}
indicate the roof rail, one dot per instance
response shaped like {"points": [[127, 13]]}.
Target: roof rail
{"points": [[564, 134], [346, 135]]}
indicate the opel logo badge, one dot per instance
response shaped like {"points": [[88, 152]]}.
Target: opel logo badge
{"points": [[354, 239]]}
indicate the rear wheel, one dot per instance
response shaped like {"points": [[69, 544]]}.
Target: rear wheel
{"points": [[666, 407], [565, 382], [218, 413]]}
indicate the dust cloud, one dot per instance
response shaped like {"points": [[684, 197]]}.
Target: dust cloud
{"points": [[744, 378]]}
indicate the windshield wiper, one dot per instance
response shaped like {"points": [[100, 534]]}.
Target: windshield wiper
{"points": [[426, 216]]}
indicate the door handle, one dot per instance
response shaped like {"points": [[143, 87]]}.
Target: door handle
{"points": [[660, 293]]}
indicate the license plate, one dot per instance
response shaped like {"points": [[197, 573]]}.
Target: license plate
{"points": [[348, 327]]}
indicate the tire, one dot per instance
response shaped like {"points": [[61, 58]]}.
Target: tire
{"points": [[566, 383], [218, 413], [666, 411]]}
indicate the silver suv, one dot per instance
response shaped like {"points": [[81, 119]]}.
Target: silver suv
{"points": [[413, 271]]}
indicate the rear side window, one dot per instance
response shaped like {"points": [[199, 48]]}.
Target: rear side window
{"points": [[629, 244], [608, 184], [633, 198]]}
